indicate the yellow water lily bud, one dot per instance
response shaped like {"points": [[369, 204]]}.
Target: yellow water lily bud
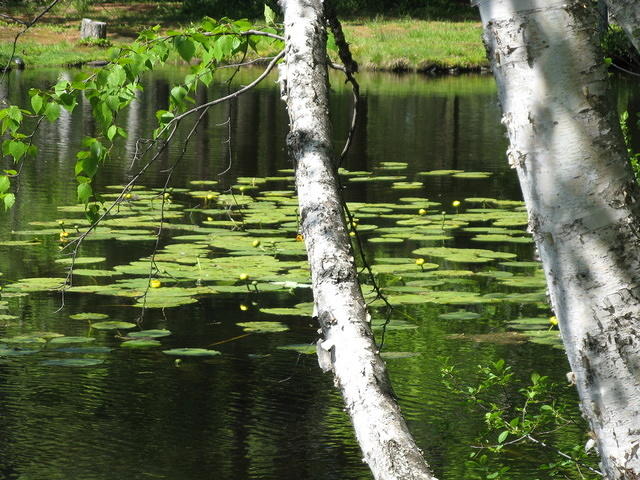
{"points": [[352, 234], [256, 243], [155, 283], [420, 261], [422, 211], [456, 203], [127, 196], [209, 219], [210, 196], [243, 307], [299, 238], [553, 321], [166, 195], [243, 276]]}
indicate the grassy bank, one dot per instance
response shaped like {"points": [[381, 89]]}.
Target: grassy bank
{"points": [[416, 45], [378, 44]]}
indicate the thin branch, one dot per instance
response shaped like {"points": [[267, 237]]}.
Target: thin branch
{"points": [[13, 19], [235, 94], [246, 33], [564, 455]]}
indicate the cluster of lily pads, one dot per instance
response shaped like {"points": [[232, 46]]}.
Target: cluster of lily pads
{"points": [[245, 240]]}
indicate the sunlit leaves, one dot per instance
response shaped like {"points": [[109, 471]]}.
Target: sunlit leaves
{"points": [[269, 15]]}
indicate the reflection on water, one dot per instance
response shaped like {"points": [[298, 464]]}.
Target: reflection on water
{"points": [[254, 412]]}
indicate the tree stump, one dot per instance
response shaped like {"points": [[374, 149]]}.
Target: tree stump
{"points": [[92, 29]]}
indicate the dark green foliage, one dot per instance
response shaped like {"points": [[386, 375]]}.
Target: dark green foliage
{"points": [[450, 9], [618, 49], [225, 8]]}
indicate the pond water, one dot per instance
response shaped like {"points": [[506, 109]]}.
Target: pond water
{"points": [[94, 408]]}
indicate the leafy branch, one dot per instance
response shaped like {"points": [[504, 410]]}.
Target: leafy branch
{"points": [[539, 415]]}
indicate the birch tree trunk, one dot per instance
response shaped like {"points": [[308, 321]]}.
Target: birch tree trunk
{"points": [[566, 145], [626, 13], [347, 347]]}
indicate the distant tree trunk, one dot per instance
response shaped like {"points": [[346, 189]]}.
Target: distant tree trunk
{"points": [[92, 29], [347, 347], [566, 145], [626, 13]]}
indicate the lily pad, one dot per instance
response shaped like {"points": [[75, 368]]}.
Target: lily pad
{"points": [[191, 352], [38, 284], [11, 352], [113, 325], [140, 343], [84, 350], [459, 315], [472, 175], [80, 260], [149, 334], [439, 173], [32, 339], [70, 340], [88, 316], [73, 362], [263, 327]]}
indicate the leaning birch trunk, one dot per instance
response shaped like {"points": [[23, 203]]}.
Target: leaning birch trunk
{"points": [[347, 347], [626, 13], [566, 145]]}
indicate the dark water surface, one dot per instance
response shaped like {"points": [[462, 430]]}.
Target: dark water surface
{"points": [[254, 412]]}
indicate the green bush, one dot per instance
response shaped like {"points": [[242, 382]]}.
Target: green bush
{"points": [[618, 48], [225, 8], [450, 9]]}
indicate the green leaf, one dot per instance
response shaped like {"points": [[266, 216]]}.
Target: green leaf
{"points": [[5, 183], [14, 148], [117, 76], [92, 213], [503, 436], [68, 101], [36, 103], [9, 200], [535, 377], [223, 47], [186, 47], [84, 192], [112, 132], [269, 15], [52, 111]]}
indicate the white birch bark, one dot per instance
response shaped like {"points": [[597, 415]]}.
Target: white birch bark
{"points": [[347, 347], [626, 13], [566, 145]]}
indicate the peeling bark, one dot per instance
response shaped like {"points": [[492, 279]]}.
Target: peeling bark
{"points": [[626, 13], [347, 347], [566, 145]]}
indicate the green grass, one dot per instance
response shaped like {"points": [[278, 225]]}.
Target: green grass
{"points": [[416, 45], [47, 55]]}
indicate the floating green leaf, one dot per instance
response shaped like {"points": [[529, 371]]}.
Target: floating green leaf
{"points": [[263, 327], [191, 352], [113, 325]]}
